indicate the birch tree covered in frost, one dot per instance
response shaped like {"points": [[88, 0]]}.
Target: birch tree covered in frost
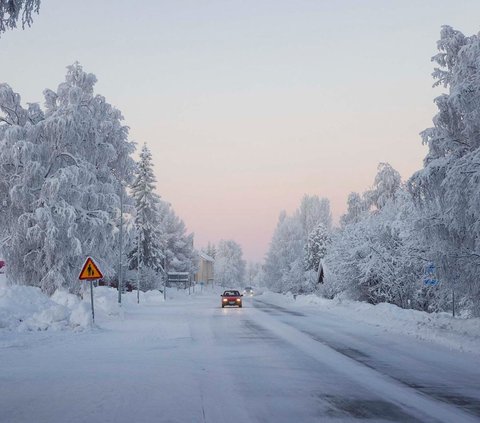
{"points": [[376, 255], [13, 11], [447, 189], [284, 260], [229, 264], [177, 244], [60, 170]]}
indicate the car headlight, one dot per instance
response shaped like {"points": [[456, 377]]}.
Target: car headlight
{"points": [[224, 299], [238, 299]]}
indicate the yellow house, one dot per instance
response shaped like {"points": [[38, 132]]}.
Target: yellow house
{"points": [[205, 269]]}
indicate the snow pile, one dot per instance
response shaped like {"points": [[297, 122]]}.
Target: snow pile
{"points": [[151, 297], [455, 333], [105, 301], [26, 308]]}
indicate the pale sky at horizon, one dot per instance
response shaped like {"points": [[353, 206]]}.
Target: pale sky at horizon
{"points": [[249, 105]]}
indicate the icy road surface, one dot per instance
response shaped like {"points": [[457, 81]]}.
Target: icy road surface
{"points": [[189, 360]]}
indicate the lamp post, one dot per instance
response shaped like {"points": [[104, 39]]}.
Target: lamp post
{"points": [[139, 264], [165, 274], [120, 281]]}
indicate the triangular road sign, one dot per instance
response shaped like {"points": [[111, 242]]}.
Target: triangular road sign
{"points": [[90, 271]]}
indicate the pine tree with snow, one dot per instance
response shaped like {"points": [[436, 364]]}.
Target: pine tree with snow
{"points": [[316, 247], [147, 252]]}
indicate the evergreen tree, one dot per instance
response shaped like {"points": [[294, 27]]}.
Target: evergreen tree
{"points": [[316, 247], [147, 250]]}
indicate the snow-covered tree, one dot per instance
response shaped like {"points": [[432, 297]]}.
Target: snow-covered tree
{"points": [[253, 275], [314, 210], [284, 260], [61, 171], [148, 249], [376, 256], [229, 264], [356, 208], [386, 184], [180, 256], [316, 247], [447, 188], [14, 11]]}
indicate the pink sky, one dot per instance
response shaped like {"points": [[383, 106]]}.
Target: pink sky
{"points": [[235, 186], [249, 105]]}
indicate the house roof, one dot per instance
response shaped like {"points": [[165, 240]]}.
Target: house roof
{"points": [[206, 257]]}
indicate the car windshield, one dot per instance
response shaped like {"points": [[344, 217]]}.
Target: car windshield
{"points": [[231, 293]]}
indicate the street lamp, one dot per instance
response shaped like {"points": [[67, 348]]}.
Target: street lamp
{"points": [[121, 183], [120, 254], [139, 262]]}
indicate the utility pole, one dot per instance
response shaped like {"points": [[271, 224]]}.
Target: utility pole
{"points": [[165, 276], [453, 302], [120, 282], [138, 267]]}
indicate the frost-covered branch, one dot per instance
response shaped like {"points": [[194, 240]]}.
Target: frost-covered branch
{"points": [[56, 157], [13, 11]]}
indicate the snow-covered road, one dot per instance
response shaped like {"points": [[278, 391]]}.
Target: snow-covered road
{"points": [[188, 360]]}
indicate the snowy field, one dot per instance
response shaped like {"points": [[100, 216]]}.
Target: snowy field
{"points": [[188, 360]]}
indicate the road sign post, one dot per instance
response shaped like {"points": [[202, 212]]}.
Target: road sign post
{"points": [[90, 272], [91, 299]]}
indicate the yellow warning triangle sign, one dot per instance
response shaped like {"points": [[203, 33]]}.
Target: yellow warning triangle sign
{"points": [[90, 271]]}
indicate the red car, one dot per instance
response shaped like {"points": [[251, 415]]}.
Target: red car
{"points": [[231, 298]]}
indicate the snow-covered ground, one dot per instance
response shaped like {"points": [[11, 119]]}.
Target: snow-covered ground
{"points": [[26, 308], [188, 360]]}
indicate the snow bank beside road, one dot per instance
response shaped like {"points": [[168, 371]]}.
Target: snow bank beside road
{"points": [[455, 333], [26, 308]]}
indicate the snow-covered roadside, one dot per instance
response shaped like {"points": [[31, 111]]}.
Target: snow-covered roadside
{"points": [[25, 308], [454, 333]]}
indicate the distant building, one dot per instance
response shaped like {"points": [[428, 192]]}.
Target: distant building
{"points": [[205, 269]]}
